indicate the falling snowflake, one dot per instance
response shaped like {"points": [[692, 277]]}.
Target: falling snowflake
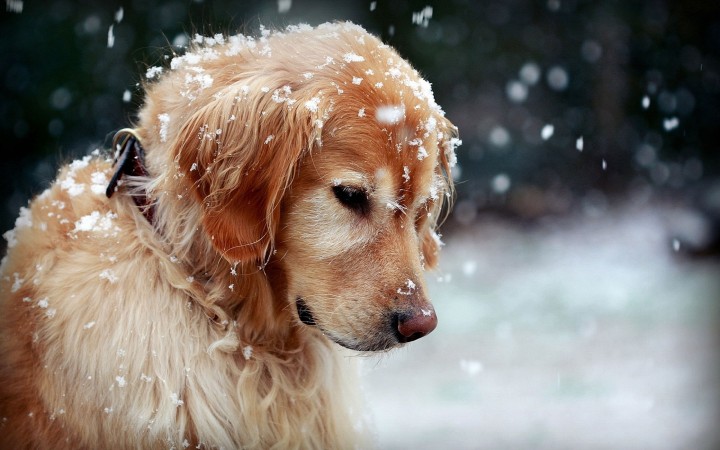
{"points": [[423, 16], [111, 37], [670, 123], [547, 132], [284, 6]]}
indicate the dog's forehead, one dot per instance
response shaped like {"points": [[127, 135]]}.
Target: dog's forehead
{"points": [[400, 160]]}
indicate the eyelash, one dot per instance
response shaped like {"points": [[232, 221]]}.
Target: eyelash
{"points": [[352, 198]]}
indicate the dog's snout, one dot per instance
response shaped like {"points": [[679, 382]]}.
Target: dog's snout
{"points": [[416, 323]]}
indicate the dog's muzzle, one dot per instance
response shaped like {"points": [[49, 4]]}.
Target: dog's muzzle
{"points": [[402, 327]]}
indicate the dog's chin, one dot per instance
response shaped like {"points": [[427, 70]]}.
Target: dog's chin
{"points": [[379, 342]]}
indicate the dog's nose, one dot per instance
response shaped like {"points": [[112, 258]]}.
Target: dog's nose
{"points": [[416, 323]]}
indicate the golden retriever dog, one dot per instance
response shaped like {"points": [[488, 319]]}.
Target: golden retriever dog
{"points": [[275, 202]]}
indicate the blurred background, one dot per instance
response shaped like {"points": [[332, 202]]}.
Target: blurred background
{"points": [[580, 284]]}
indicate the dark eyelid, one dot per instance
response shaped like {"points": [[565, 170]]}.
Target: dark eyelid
{"points": [[353, 198]]}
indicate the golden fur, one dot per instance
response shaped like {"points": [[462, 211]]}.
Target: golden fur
{"points": [[118, 333]]}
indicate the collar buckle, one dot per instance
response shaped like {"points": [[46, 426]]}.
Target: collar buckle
{"points": [[130, 160]]}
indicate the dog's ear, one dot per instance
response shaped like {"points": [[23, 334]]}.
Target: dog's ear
{"points": [[239, 153], [443, 183]]}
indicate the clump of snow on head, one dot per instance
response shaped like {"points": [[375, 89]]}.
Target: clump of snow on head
{"points": [[153, 72], [283, 95], [394, 73], [192, 59], [390, 114], [196, 83], [313, 104], [352, 57]]}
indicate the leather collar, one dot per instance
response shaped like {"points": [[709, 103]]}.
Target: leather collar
{"points": [[130, 160]]}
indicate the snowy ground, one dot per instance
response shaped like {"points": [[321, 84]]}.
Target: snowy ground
{"points": [[590, 333]]}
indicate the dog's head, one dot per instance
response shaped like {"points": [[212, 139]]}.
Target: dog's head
{"points": [[322, 151]]}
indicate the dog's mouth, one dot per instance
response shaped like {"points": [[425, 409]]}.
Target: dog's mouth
{"points": [[304, 312], [380, 341]]}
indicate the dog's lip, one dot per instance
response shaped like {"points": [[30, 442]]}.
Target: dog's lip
{"points": [[304, 312], [305, 315]]}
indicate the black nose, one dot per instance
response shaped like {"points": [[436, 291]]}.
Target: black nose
{"points": [[415, 323]]}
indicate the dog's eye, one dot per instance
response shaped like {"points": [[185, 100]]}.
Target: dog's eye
{"points": [[352, 198]]}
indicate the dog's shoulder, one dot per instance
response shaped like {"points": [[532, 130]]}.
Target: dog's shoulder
{"points": [[72, 222], [72, 211]]}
